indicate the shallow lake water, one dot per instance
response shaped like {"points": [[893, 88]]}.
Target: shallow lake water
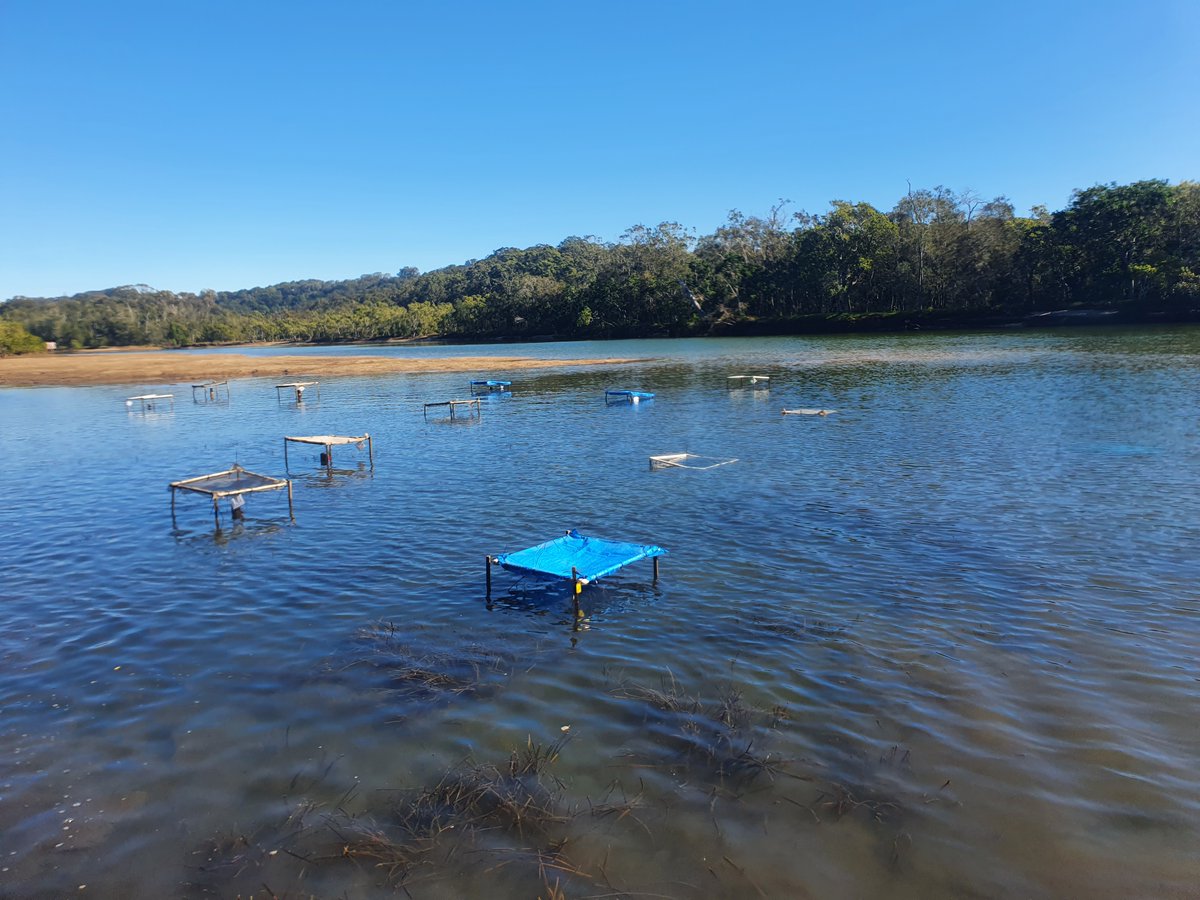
{"points": [[942, 642]]}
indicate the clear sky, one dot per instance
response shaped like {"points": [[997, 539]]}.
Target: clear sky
{"points": [[192, 145]]}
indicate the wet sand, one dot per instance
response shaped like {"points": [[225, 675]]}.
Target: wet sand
{"points": [[167, 367]]}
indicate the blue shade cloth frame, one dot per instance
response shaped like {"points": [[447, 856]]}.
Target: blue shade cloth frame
{"points": [[575, 557]]}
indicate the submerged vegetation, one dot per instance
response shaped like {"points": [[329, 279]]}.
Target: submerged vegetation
{"points": [[937, 257], [517, 827], [409, 676]]}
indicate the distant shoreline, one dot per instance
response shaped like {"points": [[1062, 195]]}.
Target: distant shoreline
{"points": [[167, 367]]}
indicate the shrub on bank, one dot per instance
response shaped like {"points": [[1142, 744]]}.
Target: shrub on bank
{"points": [[15, 339]]}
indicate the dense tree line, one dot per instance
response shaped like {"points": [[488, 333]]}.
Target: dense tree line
{"points": [[15, 339], [1132, 247]]}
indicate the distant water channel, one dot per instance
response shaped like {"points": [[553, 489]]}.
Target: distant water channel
{"points": [[940, 643]]}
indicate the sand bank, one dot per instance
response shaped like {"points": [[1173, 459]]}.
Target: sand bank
{"points": [[171, 368]]}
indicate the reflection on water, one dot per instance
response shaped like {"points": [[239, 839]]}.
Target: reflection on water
{"points": [[328, 477], [942, 643], [223, 535]]}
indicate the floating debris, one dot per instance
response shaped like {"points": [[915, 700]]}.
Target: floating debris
{"points": [[687, 461]]}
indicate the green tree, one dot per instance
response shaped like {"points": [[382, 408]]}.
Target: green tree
{"points": [[14, 339], [1114, 238]]}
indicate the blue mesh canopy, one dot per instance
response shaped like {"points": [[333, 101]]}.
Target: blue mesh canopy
{"points": [[592, 557], [641, 395], [492, 383]]}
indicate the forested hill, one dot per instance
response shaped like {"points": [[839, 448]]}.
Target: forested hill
{"points": [[936, 254]]}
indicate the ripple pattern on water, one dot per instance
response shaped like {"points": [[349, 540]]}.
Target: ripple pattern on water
{"points": [[959, 615]]}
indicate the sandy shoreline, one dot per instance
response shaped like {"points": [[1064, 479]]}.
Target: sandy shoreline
{"points": [[173, 368]]}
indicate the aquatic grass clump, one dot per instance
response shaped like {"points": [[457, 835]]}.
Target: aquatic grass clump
{"points": [[467, 812], [714, 739], [815, 629], [669, 697], [859, 793], [839, 800], [618, 809], [510, 823], [420, 675], [362, 840], [463, 822], [265, 853], [520, 796], [855, 787], [724, 743]]}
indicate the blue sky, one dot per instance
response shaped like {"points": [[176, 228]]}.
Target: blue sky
{"points": [[227, 145]]}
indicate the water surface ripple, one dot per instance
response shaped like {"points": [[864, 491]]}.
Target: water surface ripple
{"points": [[941, 642]]}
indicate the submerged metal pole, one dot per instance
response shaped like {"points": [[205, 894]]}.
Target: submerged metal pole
{"points": [[291, 511], [285, 458], [217, 512], [656, 568], [487, 567], [370, 451]]}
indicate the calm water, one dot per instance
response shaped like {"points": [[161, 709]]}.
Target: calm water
{"points": [[941, 643]]}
